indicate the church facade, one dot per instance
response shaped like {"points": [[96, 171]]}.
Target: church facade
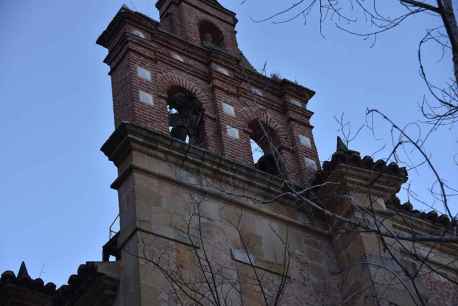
{"points": [[205, 220]]}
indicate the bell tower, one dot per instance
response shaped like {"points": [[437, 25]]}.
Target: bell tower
{"points": [[188, 109], [185, 77]]}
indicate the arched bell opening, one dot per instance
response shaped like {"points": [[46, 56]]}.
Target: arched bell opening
{"points": [[185, 116], [210, 35], [265, 148]]}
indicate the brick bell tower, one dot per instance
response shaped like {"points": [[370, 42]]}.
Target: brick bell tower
{"points": [[186, 77], [188, 108]]}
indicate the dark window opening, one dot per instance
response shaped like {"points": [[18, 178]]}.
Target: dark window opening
{"points": [[185, 114], [265, 149], [210, 35]]}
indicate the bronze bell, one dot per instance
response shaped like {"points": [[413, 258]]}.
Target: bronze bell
{"points": [[179, 132]]}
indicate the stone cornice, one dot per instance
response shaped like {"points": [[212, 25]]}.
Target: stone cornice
{"points": [[413, 223], [363, 174], [128, 135], [124, 16], [130, 138], [362, 180], [279, 87], [297, 90]]}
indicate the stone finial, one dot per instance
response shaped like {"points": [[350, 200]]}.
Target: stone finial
{"points": [[363, 174], [23, 273], [341, 146]]}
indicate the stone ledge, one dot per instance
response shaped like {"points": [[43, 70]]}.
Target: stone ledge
{"points": [[363, 180], [127, 135], [128, 138]]}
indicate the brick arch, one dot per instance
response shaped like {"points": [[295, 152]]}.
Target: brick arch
{"points": [[213, 29], [165, 81], [251, 114]]}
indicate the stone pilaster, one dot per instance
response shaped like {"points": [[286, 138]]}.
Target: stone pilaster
{"points": [[356, 189]]}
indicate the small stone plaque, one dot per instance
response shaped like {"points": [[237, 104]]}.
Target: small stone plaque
{"points": [[305, 141], [145, 97], [232, 132], [228, 109], [143, 73]]}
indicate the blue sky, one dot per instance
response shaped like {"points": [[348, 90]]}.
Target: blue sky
{"points": [[57, 111]]}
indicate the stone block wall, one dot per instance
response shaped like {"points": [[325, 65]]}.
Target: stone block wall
{"points": [[179, 207]]}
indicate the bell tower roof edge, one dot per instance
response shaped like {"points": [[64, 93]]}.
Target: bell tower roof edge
{"points": [[213, 3]]}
